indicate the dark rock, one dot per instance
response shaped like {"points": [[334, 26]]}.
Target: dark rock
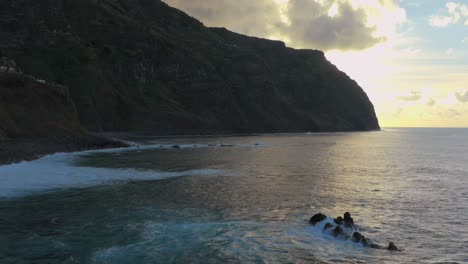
{"points": [[29, 109], [392, 247], [338, 231], [327, 226], [348, 219], [226, 145], [357, 237], [38, 119], [365, 242], [178, 77], [338, 220], [176, 147], [317, 218]]}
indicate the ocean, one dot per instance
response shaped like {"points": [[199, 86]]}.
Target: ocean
{"points": [[242, 199]]}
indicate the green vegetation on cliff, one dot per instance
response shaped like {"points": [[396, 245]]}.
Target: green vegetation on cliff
{"points": [[142, 65]]}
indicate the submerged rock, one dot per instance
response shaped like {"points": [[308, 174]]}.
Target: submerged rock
{"points": [[365, 241], [338, 231], [317, 218], [392, 247], [176, 147], [338, 220], [327, 226], [357, 237]]}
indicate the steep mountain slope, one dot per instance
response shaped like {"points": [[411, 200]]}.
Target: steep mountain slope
{"points": [[29, 108], [142, 65], [38, 119]]}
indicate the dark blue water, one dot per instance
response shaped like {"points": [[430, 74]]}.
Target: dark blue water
{"points": [[245, 203]]}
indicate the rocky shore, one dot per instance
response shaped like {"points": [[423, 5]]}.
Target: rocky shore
{"points": [[17, 150], [38, 119], [344, 228]]}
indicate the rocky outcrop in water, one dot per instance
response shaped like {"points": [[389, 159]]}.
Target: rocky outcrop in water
{"points": [[317, 218], [344, 228], [142, 65]]}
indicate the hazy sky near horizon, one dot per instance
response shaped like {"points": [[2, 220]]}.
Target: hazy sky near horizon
{"points": [[410, 56]]}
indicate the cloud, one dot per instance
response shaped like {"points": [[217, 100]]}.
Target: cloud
{"points": [[398, 112], [414, 96], [311, 24], [449, 51], [317, 24], [462, 97], [431, 102], [453, 112], [449, 113], [243, 16], [456, 13]]}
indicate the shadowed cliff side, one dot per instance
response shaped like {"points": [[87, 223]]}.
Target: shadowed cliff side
{"points": [[29, 108], [142, 65], [38, 119]]}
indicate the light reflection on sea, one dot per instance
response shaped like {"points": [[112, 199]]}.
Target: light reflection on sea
{"points": [[406, 185]]}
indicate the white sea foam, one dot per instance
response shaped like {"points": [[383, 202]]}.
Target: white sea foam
{"points": [[58, 172], [318, 229], [135, 146]]}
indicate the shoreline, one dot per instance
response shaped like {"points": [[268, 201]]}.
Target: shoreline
{"points": [[143, 134], [27, 149]]}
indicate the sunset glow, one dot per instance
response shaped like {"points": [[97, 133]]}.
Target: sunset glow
{"points": [[391, 48]]}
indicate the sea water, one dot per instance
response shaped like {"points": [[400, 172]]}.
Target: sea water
{"points": [[242, 200]]}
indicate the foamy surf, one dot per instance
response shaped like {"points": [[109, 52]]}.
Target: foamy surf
{"points": [[56, 172], [135, 146]]}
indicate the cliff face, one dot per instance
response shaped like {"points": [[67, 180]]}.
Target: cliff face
{"points": [[29, 108], [142, 65], [39, 119]]}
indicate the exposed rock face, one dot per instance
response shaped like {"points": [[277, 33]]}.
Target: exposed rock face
{"points": [[142, 65], [346, 231], [317, 218], [38, 119], [29, 109]]}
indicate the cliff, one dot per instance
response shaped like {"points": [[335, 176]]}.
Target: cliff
{"points": [[38, 119], [142, 65], [30, 108]]}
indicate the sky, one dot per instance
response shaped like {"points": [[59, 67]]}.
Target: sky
{"points": [[410, 56]]}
